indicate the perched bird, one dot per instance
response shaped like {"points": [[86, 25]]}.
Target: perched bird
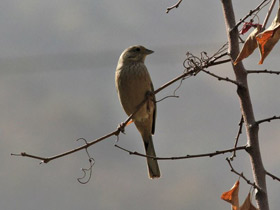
{"points": [[133, 83]]}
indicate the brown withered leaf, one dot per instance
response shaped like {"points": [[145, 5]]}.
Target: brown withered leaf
{"points": [[268, 38], [247, 205], [231, 196], [249, 46]]}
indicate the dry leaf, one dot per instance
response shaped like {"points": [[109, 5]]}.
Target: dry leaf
{"points": [[249, 46], [246, 27], [268, 38], [247, 205], [231, 196]]}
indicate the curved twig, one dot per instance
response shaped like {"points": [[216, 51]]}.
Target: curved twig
{"points": [[85, 170]]}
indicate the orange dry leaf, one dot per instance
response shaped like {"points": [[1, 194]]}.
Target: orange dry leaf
{"points": [[231, 196], [247, 205], [249, 46], [268, 38]]}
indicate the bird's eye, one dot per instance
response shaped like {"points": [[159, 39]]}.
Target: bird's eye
{"points": [[137, 49]]}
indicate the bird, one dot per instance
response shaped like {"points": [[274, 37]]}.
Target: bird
{"points": [[134, 84]]}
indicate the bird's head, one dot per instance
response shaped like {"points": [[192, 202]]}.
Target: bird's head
{"points": [[135, 53]]}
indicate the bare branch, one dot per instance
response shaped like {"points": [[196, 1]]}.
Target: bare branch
{"points": [[241, 175], [48, 159], [263, 72], [268, 14], [268, 119], [237, 137], [190, 71], [174, 6], [250, 13], [273, 176], [221, 78], [113, 133], [212, 154], [243, 92]]}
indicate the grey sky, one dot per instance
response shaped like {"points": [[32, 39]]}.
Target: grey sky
{"points": [[57, 62]]}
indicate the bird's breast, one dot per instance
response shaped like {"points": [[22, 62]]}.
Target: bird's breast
{"points": [[133, 82]]}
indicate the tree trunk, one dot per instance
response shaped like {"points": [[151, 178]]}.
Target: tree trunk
{"points": [[252, 127]]}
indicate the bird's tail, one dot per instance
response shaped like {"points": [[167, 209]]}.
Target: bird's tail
{"points": [[153, 167]]}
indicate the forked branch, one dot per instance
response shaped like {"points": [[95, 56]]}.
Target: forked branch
{"points": [[190, 71]]}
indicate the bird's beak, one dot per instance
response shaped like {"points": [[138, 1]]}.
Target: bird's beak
{"points": [[147, 51]]}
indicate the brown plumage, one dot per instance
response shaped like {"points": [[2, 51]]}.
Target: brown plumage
{"points": [[133, 82]]}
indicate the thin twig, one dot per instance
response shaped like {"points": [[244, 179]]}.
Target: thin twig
{"points": [[263, 72], [249, 14], [221, 78], [273, 176], [86, 170], [240, 124], [171, 96], [268, 14], [268, 119], [48, 159], [174, 6], [212, 154], [242, 175]]}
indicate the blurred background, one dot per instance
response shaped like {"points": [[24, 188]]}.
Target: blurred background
{"points": [[57, 63]]}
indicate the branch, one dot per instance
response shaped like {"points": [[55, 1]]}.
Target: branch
{"points": [[263, 71], [212, 154], [48, 159], [190, 71], [243, 93], [174, 6], [221, 78], [272, 176], [268, 14], [237, 137], [250, 13], [241, 175], [268, 119]]}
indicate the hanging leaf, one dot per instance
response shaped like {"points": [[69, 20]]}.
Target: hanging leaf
{"points": [[247, 205], [268, 38], [249, 46], [231, 196]]}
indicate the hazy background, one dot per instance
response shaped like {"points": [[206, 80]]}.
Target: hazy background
{"points": [[57, 63]]}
